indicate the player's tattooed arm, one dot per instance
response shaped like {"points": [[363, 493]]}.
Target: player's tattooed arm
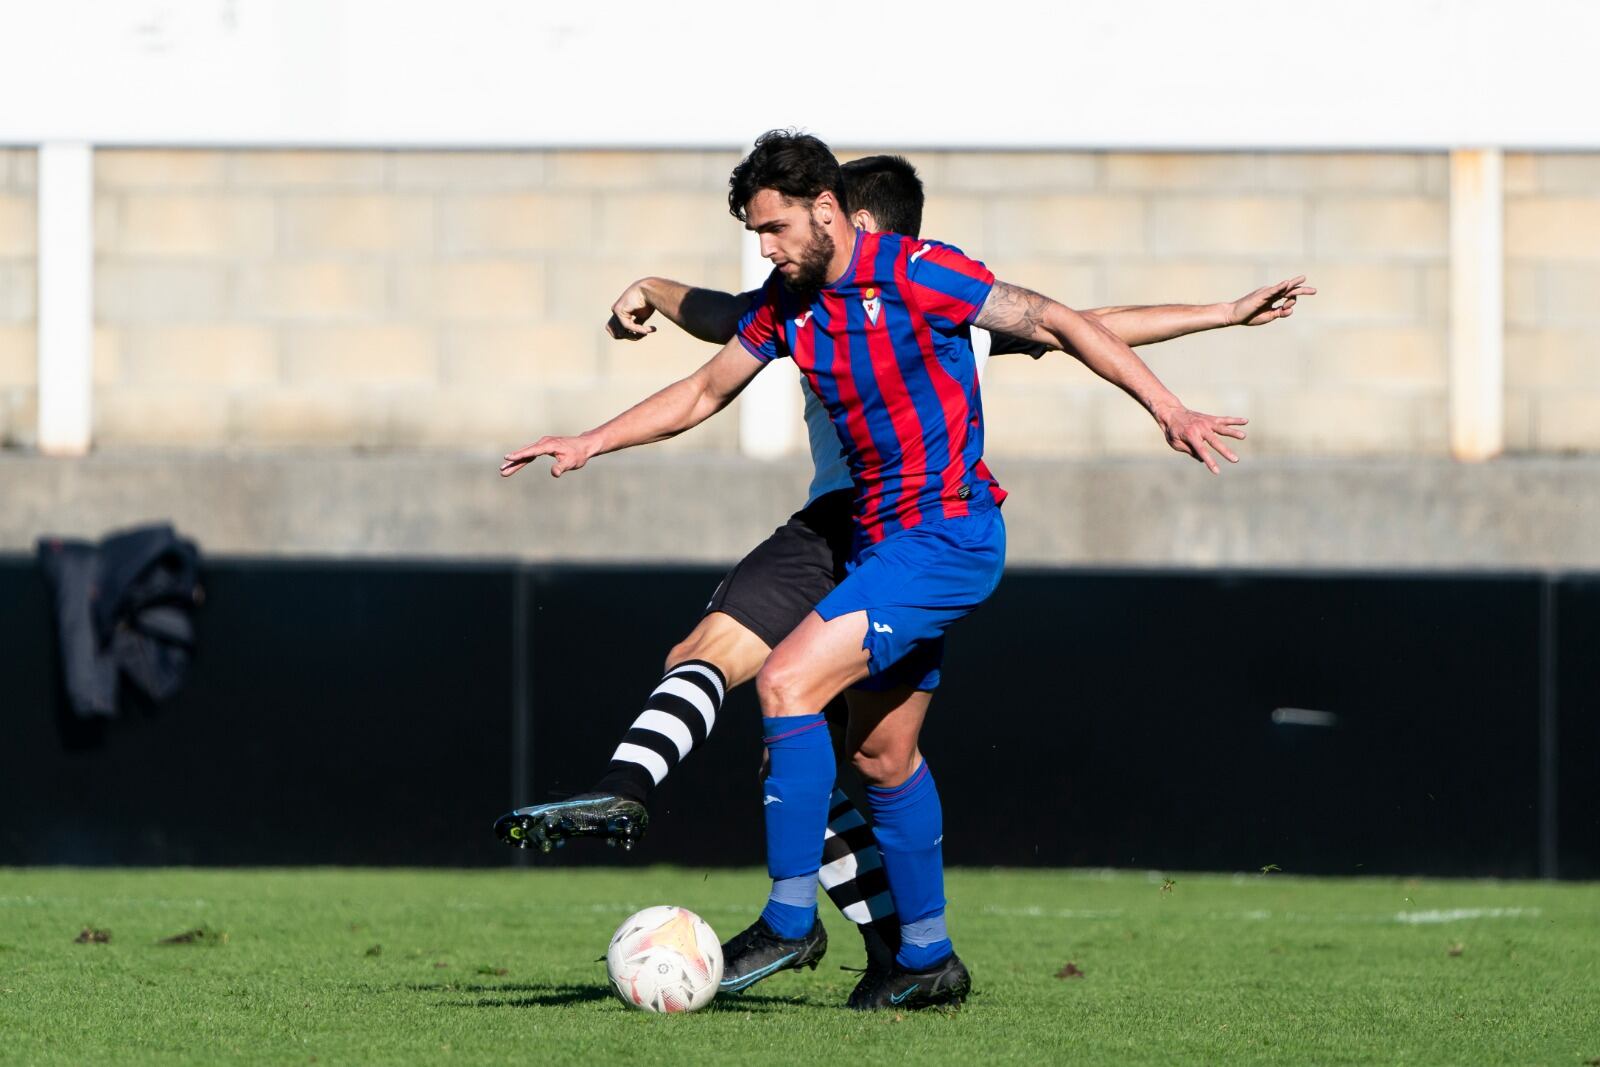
{"points": [[1015, 311], [683, 404], [1024, 313], [706, 314]]}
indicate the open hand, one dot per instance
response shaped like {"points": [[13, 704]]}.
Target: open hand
{"points": [[1269, 302], [570, 453], [1198, 435], [628, 315]]}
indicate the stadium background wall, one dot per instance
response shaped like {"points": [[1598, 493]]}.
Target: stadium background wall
{"points": [[260, 299], [343, 713]]}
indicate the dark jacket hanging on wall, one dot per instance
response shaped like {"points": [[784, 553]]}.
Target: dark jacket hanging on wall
{"points": [[123, 611]]}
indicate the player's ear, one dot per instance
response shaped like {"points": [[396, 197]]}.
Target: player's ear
{"points": [[825, 206], [862, 219]]}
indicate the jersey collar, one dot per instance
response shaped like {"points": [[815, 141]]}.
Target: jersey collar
{"points": [[850, 271]]}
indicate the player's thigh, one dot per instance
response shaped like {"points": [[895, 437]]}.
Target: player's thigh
{"points": [[883, 732], [814, 664], [724, 641], [774, 587]]}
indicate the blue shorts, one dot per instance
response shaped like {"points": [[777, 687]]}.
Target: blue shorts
{"points": [[913, 584]]}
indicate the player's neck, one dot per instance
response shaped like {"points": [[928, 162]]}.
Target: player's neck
{"points": [[844, 252]]}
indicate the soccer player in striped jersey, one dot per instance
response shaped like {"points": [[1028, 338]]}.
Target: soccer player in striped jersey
{"points": [[908, 528], [773, 588]]}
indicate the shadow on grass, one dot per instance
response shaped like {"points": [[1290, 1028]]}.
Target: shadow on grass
{"points": [[560, 995], [539, 996], [748, 1002], [514, 994]]}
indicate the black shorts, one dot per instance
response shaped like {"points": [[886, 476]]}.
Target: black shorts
{"points": [[774, 588]]}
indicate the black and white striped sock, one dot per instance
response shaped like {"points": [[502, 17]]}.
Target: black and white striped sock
{"points": [[678, 716], [852, 874]]}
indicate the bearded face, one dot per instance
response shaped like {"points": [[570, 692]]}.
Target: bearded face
{"points": [[812, 262], [799, 245]]}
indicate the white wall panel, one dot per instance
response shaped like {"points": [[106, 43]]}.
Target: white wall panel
{"points": [[1015, 73]]}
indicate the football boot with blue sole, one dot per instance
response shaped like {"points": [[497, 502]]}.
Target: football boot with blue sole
{"points": [[948, 983], [756, 953], [618, 820]]}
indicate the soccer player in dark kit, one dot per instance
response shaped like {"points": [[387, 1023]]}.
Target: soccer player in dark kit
{"points": [[879, 325]]}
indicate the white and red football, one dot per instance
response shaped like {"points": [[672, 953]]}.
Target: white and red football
{"points": [[665, 959]]}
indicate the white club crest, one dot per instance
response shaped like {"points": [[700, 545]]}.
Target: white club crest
{"points": [[871, 303]]}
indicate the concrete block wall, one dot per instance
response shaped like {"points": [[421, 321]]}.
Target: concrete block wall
{"points": [[1553, 302], [1360, 369], [390, 299], [18, 298], [453, 299]]}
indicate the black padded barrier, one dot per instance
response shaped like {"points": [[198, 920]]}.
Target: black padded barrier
{"points": [[334, 714], [369, 713]]}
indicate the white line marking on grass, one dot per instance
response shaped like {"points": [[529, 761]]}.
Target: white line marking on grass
{"points": [[1452, 915], [1413, 918]]}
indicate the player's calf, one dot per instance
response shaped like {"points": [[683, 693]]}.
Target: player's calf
{"points": [[853, 876], [678, 716]]}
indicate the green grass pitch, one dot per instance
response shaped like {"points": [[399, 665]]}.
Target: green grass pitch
{"points": [[496, 967]]}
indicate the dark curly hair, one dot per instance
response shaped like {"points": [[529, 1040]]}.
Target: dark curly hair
{"points": [[888, 187], [797, 165]]}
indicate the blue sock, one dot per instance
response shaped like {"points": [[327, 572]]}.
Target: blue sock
{"points": [[909, 824], [791, 911], [795, 800]]}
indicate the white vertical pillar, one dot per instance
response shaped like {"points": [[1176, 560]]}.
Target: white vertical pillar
{"points": [[66, 297], [769, 407], [1477, 304]]}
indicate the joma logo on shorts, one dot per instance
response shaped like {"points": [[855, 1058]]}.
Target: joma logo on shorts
{"points": [[879, 627]]}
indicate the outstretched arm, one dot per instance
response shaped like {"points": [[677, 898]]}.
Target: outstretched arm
{"points": [[702, 313], [1148, 325], [1023, 313], [681, 405]]}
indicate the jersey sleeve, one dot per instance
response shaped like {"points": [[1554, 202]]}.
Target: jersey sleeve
{"points": [[758, 326], [1005, 344], [946, 284]]}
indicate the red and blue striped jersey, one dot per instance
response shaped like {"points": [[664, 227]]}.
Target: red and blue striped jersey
{"points": [[887, 350]]}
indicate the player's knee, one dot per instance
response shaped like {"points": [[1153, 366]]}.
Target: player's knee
{"points": [[779, 685], [687, 649], [705, 643], [725, 644], [884, 768]]}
